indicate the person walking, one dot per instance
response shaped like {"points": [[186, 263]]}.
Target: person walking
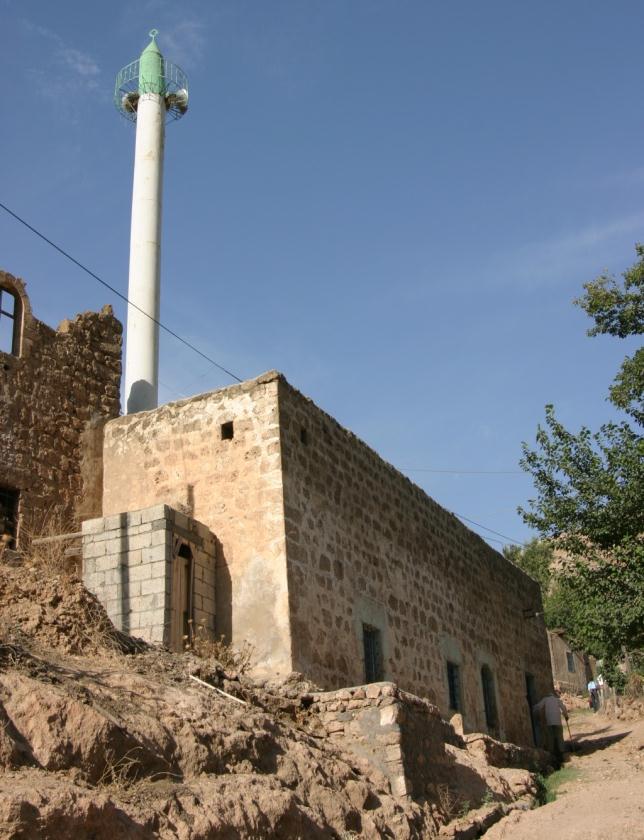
{"points": [[593, 695], [553, 708]]}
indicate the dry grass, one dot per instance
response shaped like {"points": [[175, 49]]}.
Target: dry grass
{"points": [[634, 689], [449, 803], [204, 646], [120, 773], [49, 556]]}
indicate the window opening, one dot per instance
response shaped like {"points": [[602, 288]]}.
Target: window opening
{"points": [[9, 499], [570, 659], [489, 697], [8, 322], [304, 436], [227, 431], [454, 686], [372, 653]]}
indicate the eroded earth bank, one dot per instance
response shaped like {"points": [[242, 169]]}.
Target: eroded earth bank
{"points": [[103, 737]]}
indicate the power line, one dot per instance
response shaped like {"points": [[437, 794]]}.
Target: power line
{"points": [[233, 375], [464, 472], [117, 293], [485, 528]]}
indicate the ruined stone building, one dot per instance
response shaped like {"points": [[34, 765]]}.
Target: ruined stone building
{"points": [[56, 386], [251, 512]]}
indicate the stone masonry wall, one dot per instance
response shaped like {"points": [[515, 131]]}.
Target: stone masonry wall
{"points": [[366, 546], [400, 735], [181, 454], [61, 381], [129, 563]]}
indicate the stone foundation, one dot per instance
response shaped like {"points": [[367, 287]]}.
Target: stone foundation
{"points": [[153, 570], [400, 735]]}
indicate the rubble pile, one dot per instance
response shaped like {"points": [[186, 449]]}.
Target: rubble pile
{"points": [[103, 737]]}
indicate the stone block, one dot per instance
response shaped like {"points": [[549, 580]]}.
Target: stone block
{"points": [[133, 518], [151, 601], [161, 537], [152, 586], [400, 786], [118, 545], [157, 554], [156, 512], [390, 714], [392, 753], [93, 526], [138, 541], [141, 572], [107, 562], [117, 521]]}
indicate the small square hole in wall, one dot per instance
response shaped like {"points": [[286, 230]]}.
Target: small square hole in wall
{"points": [[304, 436], [227, 431]]}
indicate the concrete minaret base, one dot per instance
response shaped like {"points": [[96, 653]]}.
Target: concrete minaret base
{"points": [[142, 355]]}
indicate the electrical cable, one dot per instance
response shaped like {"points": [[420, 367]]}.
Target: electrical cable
{"points": [[233, 375], [485, 528], [464, 472], [119, 294]]}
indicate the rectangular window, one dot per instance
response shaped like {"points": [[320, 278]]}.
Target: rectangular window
{"points": [[454, 686], [9, 499], [227, 430], [372, 654], [570, 659], [489, 698]]}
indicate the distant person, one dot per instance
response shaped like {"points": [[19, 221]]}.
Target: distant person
{"points": [[553, 708], [593, 695]]}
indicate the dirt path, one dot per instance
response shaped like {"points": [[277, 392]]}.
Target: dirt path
{"points": [[605, 801]]}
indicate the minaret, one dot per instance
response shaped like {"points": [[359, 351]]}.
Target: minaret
{"points": [[148, 91]]}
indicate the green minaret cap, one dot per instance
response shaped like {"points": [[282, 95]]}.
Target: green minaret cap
{"points": [[151, 75]]}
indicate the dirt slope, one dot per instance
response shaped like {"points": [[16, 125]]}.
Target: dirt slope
{"points": [[104, 738], [605, 802]]}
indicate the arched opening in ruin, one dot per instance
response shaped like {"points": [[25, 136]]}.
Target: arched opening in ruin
{"points": [[10, 321]]}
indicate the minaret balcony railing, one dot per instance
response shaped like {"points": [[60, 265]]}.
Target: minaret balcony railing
{"points": [[129, 89]]}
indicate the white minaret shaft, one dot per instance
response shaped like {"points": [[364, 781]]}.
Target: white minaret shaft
{"points": [[142, 355], [147, 91]]}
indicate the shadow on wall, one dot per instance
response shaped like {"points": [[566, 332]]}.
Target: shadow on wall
{"points": [[123, 572], [223, 596], [142, 397]]}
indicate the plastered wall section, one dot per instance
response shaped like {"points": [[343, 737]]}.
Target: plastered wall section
{"points": [[129, 564], [367, 546], [54, 393], [178, 455]]}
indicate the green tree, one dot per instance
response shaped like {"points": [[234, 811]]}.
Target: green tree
{"points": [[589, 492], [535, 558]]}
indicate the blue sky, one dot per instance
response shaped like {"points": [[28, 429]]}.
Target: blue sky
{"points": [[394, 203]]}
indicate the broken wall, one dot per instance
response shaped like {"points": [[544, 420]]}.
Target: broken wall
{"points": [[53, 387]]}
